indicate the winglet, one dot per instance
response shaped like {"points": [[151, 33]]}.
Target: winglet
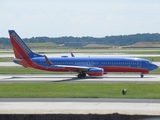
{"points": [[72, 54], [48, 62]]}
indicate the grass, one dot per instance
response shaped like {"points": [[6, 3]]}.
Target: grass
{"points": [[157, 71], [6, 59], [152, 59], [79, 90], [22, 70], [51, 48], [44, 45]]}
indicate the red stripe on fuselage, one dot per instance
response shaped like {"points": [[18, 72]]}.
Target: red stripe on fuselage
{"points": [[124, 69], [106, 69]]}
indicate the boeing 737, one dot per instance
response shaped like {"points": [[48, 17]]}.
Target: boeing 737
{"points": [[91, 66]]}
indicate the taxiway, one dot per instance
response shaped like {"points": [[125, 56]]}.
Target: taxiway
{"points": [[79, 108]]}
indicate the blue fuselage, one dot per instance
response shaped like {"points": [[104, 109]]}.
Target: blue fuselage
{"points": [[114, 64]]}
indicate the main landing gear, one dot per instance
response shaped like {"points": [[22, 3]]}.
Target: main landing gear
{"points": [[142, 75], [81, 75]]}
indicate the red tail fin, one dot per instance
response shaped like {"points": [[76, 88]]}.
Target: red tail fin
{"points": [[21, 50]]}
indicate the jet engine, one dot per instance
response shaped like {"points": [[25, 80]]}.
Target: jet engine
{"points": [[95, 72]]}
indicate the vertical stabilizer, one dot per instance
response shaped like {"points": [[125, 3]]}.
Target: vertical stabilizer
{"points": [[21, 50]]}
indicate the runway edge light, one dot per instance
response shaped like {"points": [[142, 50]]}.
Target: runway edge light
{"points": [[124, 91]]}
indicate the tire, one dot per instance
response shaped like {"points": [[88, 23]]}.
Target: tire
{"points": [[142, 75], [80, 76], [83, 74]]}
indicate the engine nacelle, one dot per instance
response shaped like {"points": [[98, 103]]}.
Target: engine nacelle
{"points": [[95, 72]]}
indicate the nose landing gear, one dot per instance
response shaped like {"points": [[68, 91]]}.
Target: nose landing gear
{"points": [[142, 75]]}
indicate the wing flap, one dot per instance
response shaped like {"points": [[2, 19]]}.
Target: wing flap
{"points": [[70, 66], [80, 68]]}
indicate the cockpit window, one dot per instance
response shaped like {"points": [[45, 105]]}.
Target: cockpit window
{"points": [[148, 62]]}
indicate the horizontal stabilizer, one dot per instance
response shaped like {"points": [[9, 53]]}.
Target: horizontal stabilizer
{"points": [[18, 60]]}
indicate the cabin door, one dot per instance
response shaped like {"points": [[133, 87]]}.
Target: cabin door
{"points": [[90, 63], [138, 63]]}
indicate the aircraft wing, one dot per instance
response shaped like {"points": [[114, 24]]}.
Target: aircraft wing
{"points": [[80, 68], [69, 66], [50, 65]]}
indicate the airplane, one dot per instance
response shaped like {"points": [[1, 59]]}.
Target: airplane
{"points": [[91, 66]]}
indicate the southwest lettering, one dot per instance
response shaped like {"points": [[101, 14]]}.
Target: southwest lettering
{"points": [[19, 41]]}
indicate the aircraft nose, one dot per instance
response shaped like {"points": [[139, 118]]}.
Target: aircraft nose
{"points": [[154, 66]]}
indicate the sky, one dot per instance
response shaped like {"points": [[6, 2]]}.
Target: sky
{"points": [[77, 18]]}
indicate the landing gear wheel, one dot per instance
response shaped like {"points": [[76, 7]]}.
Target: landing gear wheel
{"points": [[80, 75], [142, 75], [83, 74]]}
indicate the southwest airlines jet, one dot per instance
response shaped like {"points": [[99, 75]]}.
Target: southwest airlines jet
{"points": [[90, 66]]}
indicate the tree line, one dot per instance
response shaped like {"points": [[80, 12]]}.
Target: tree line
{"points": [[121, 40]]}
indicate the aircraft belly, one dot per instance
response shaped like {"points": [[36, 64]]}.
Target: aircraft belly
{"points": [[123, 69]]}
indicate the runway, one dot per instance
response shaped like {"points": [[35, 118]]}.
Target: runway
{"points": [[72, 78]]}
